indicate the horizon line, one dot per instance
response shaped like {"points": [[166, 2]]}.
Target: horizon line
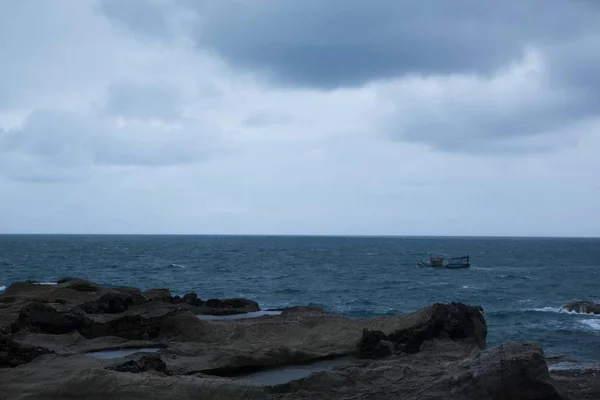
{"points": [[304, 235]]}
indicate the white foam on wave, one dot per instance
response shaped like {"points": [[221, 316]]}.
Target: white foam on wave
{"points": [[560, 310], [2, 288], [594, 324], [46, 283]]}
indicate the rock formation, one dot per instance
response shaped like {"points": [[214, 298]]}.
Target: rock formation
{"points": [[51, 338]]}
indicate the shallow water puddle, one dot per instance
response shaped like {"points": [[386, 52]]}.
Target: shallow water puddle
{"points": [[108, 354], [278, 376], [254, 314]]}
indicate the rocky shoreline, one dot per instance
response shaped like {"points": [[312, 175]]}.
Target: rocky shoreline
{"points": [[78, 339]]}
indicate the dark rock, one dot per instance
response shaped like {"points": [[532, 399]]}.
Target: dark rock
{"points": [[455, 321], [112, 303], [374, 344], [37, 317], [130, 327], [13, 353], [583, 307], [231, 306], [158, 295], [511, 371], [79, 285], [192, 299], [144, 364], [580, 384], [7, 299]]}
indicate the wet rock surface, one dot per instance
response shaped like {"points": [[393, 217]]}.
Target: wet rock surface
{"points": [[50, 332], [144, 364], [587, 307]]}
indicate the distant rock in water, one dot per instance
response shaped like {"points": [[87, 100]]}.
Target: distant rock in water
{"points": [[586, 307]]}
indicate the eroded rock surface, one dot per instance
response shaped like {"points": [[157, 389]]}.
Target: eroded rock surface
{"points": [[436, 352], [144, 364]]}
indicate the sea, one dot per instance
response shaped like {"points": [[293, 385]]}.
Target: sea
{"points": [[522, 283]]}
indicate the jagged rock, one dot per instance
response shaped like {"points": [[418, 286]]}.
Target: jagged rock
{"points": [[231, 306], [192, 299], [435, 352], [579, 384], [13, 353], [43, 318], [158, 295], [144, 364], [374, 344], [584, 307], [515, 371], [455, 321], [112, 303], [130, 327]]}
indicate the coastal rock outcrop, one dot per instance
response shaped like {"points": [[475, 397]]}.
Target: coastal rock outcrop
{"points": [[13, 353], [144, 364], [58, 340], [454, 321], [515, 371]]}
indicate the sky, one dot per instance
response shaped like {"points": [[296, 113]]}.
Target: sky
{"points": [[342, 117]]}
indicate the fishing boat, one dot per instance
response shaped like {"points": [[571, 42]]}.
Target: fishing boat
{"points": [[450, 263]]}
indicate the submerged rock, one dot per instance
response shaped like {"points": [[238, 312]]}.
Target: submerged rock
{"points": [[587, 307]]}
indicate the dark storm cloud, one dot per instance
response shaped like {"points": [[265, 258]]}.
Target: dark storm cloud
{"points": [[349, 42], [143, 17]]}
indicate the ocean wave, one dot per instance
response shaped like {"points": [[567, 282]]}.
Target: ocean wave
{"points": [[560, 310], [289, 291], [470, 287], [511, 276], [594, 324], [177, 266], [2, 288], [46, 283]]}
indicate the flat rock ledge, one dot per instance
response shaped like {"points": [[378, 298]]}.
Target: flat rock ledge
{"points": [[51, 336]]}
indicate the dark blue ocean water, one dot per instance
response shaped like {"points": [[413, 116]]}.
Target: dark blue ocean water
{"points": [[521, 283]]}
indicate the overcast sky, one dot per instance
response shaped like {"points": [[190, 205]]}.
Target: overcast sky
{"points": [[363, 117]]}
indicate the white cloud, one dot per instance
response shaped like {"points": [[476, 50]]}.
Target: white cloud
{"points": [[106, 131]]}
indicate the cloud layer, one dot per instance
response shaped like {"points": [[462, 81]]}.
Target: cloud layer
{"points": [[300, 116]]}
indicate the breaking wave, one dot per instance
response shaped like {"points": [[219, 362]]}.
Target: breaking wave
{"points": [[2, 288], [591, 323], [560, 310]]}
